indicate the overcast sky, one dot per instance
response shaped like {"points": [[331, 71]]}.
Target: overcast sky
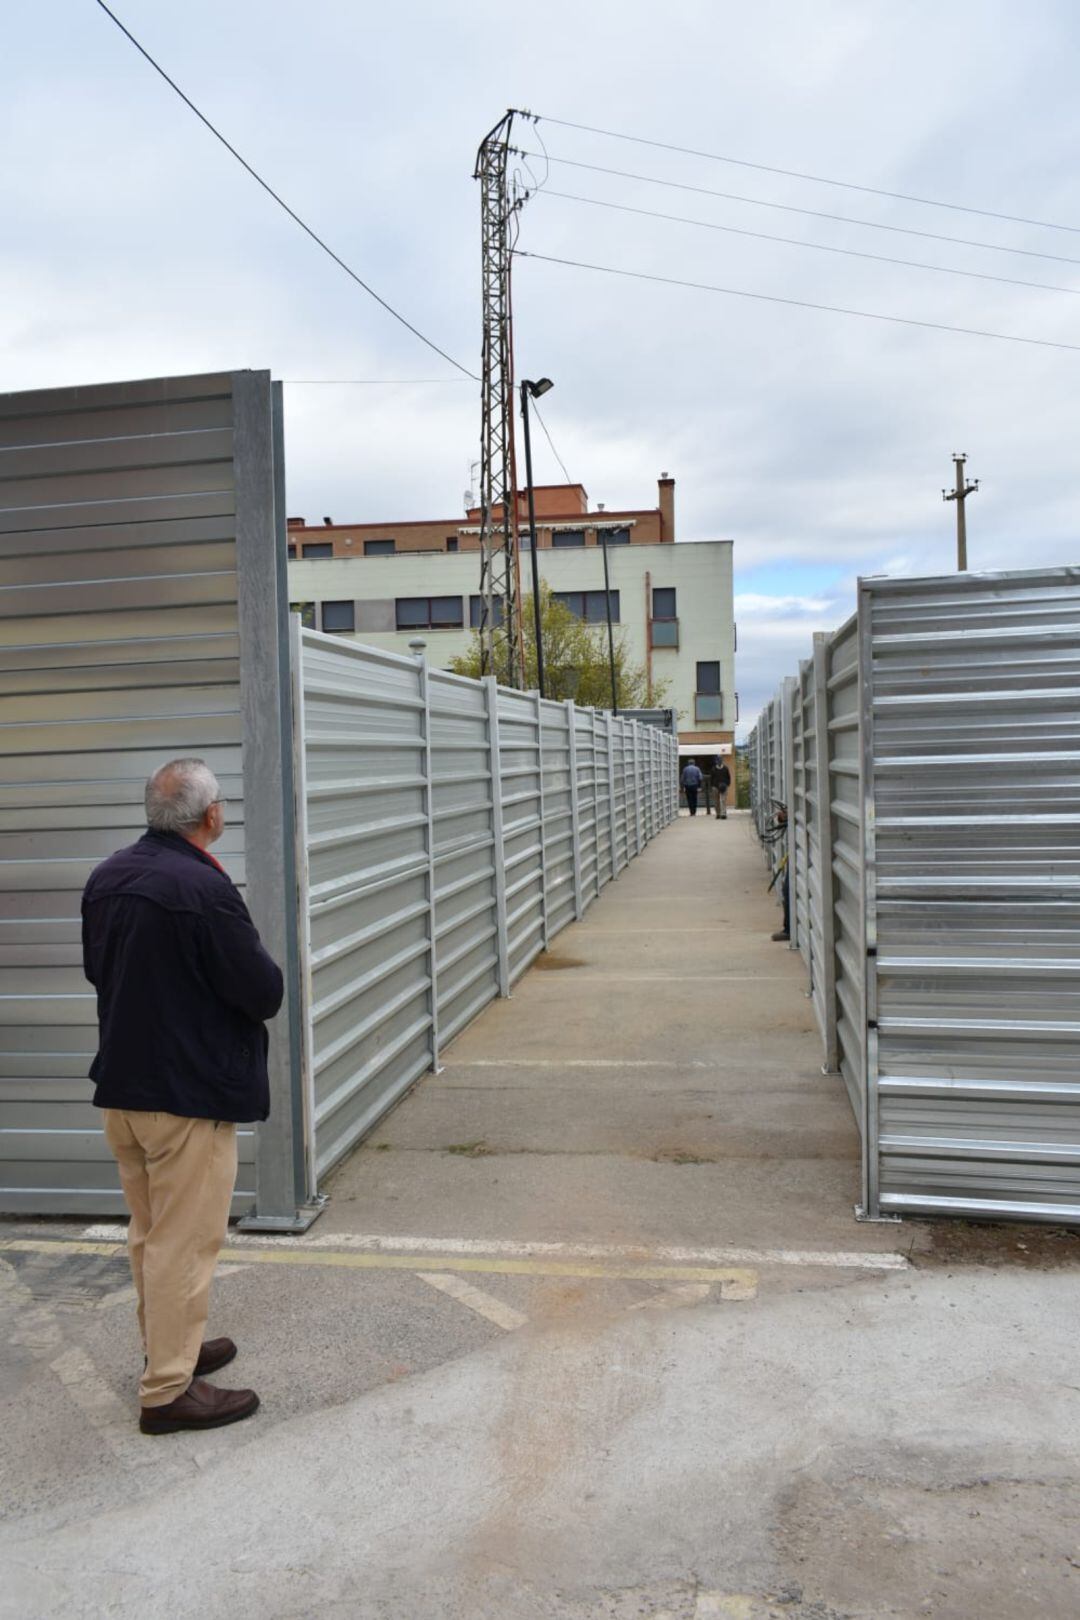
{"points": [[135, 246]]}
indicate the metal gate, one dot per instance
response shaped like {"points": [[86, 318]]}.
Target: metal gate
{"points": [[142, 564], [971, 686], [936, 797]]}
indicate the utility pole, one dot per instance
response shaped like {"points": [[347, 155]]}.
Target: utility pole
{"points": [[501, 199], [960, 495]]}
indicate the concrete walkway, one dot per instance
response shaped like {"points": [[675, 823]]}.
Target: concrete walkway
{"points": [[588, 1329], [654, 1079]]}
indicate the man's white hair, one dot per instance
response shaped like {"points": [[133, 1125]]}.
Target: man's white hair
{"points": [[179, 794]]}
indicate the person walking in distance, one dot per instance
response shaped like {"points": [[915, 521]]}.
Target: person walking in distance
{"points": [[691, 784], [184, 990], [720, 781]]}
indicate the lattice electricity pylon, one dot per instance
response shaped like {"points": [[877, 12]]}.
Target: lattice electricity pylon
{"points": [[501, 198]]}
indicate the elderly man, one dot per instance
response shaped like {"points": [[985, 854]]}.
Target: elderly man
{"points": [[184, 988]]}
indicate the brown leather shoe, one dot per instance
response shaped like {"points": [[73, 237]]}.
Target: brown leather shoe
{"points": [[202, 1406], [215, 1354]]}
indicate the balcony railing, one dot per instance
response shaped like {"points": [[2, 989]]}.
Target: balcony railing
{"points": [[665, 632], [708, 706]]}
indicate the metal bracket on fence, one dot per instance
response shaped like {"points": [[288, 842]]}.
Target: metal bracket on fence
{"points": [[879, 1219], [498, 848]]}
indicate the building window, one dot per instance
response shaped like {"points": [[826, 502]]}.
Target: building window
{"points": [[708, 702], [475, 603], [429, 613], [379, 548], [568, 537], [318, 549], [339, 616], [589, 605], [292, 553], [614, 537], [664, 629], [451, 542], [306, 611]]}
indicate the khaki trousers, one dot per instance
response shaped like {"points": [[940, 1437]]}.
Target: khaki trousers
{"points": [[177, 1177]]}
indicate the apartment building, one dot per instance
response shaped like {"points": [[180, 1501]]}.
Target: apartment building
{"points": [[391, 583]]}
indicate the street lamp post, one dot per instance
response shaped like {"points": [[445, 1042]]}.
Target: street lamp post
{"points": [[533, 390]]}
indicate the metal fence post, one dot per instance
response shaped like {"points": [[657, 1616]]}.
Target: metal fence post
{"points": [[787, 744], [303, 894], [281, 1166], [498, 850], [634, 729], [429, 805], [575, 811], [596, 799], [826, 835], [611, 793], [543, 844]]}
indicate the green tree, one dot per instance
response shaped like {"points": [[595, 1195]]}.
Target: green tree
{"points": [[576, 663]]}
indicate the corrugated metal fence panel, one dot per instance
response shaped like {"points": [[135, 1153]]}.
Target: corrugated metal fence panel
{"points": [[404, 886], [119, 647], [522, 800], [558, 822], [618, 772], [802, 911], [585, 753], [368, 888], [976, 685], [819, 846], [467, 950], [849, 946], [603, 752]]}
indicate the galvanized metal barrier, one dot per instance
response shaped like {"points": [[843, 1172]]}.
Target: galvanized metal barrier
{"points": [[142, 616], [933, 785], [448, 830]]}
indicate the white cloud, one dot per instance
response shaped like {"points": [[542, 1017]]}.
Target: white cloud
{"points": [[136, 247]]}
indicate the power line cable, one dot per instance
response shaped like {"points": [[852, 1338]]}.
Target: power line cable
{"points": [[816, 179], [799, 303], [369, 382], [551, 442], [293, 215], [809, 213], [820, 247]]}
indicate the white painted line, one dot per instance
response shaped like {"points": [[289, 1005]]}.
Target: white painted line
{"points": [[634, 1254], [555, 977], [582, 1063], [486, 1305], [105, 1412]]}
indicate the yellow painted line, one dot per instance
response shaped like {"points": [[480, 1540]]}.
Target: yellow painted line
{"points": [[350, 1260]]}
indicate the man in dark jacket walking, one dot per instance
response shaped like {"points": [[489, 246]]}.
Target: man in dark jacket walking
{"points": [[691, 784], [184, 988], [720, 781]]}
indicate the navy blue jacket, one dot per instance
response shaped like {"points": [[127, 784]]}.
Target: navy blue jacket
{"points": [[184, 986]]}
